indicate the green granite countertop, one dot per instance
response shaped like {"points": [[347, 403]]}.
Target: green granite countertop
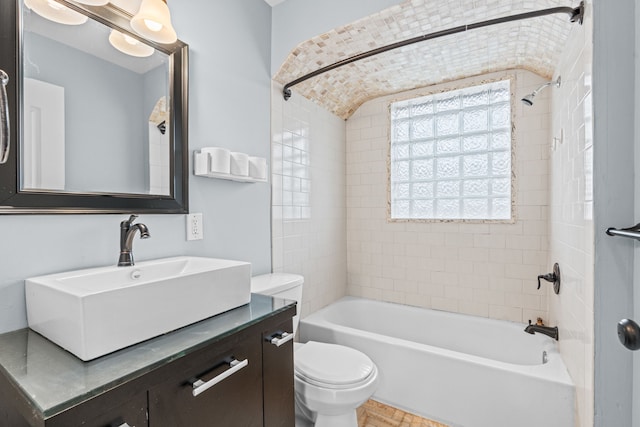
{"points": [[54, 379]]}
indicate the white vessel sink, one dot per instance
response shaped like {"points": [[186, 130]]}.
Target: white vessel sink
{"points": [[100, 310]]}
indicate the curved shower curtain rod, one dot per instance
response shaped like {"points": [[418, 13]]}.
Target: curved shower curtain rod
{"points": [[575, 15]]}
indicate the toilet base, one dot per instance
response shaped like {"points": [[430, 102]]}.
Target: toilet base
{"points": [[302, 421], [349, 419], [308, 418]]}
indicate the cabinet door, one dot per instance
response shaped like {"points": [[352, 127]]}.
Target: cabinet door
{"points": [[277, 365], [104, 411], [209, 389]]}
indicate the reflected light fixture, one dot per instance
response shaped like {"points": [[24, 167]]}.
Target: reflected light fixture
{"points": [[56, 12], [153, 21], [129, 45], [93, 2]]}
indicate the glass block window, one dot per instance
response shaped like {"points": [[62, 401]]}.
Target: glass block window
{"points": [[451, 155], [296, 177]]}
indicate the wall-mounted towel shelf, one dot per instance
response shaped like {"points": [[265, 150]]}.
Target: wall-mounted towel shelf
{"points": [[230, 177], [220, 163], [631, 232]]}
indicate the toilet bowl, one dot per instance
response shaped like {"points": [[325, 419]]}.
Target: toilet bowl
{"points": [[330, 380]]}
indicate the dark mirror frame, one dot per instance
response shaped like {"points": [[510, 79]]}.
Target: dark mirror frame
{"points": [[13, 200]]}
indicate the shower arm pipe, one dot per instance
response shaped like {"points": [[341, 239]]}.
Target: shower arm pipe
{"points": [[553, 82], [575, 15]]}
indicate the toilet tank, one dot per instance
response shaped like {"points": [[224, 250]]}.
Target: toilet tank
{"points": [[280, 285]]}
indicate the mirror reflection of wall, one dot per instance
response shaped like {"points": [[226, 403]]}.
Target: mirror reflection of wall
{"points": [[43, 148], [159, 166], [108, 98]]}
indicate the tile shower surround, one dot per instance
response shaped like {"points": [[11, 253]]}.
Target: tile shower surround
{"points": [[308, 198], [571, 241], [483, 269]]}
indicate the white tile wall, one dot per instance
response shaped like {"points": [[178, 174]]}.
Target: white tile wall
{"points": [[308, 197], [487, 270], [571, 224], [484, 269]]}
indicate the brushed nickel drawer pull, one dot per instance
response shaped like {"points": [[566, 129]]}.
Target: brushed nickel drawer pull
{"points": [[285, 337], [235, 365]]}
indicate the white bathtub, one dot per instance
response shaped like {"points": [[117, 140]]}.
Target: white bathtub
{"points": [[463, 371]]}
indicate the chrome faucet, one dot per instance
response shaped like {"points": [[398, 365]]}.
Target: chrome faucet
{"points": [[540, 328], [127, 232]]}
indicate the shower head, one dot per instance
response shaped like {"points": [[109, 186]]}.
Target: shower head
{"points": [[528, 99]]}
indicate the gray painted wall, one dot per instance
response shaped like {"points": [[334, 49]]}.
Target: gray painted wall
{"points": [[156, 85], [295, 21], [613, 95], [104, 124], [229, 106]]}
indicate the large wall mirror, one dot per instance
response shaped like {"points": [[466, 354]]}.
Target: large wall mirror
{"points": [[97, 114]]}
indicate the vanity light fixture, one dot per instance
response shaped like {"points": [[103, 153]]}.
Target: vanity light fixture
{"points": [[153, 21], [56, 12], [129, 45]]}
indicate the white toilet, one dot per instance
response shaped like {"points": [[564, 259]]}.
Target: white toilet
{"points": [[331, 380]]}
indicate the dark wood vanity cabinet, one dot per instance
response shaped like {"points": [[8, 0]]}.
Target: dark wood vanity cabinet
{"points": [[257, 389], [106, 411], [233, 401], [241, 379], [121, 406], [277, 365]]}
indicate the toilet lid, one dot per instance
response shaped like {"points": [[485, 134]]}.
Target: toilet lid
{"points": [[332, 364]]}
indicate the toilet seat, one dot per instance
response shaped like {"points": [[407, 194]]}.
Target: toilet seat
{"points": [[332, 366]]}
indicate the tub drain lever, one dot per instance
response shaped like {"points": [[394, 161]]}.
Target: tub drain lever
{"points": [[553, 277]]}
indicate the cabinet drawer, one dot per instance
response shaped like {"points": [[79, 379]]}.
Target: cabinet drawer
{"points": [[131, 412], [208, 389]]}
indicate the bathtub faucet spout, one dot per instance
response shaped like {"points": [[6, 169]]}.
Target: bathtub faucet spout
{"points": [[540, 328]]}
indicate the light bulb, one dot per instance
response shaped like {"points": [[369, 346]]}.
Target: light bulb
{"points": [[129, 45], [153, 25], [153, 22], [130, 40], [55, 5]]}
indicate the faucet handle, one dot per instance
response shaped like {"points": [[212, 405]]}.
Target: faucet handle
{"points": [[549, 277], [553, 277], [128, 222]]}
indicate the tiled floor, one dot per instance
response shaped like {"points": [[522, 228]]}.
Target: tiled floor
{"points": [[376, 414]]}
